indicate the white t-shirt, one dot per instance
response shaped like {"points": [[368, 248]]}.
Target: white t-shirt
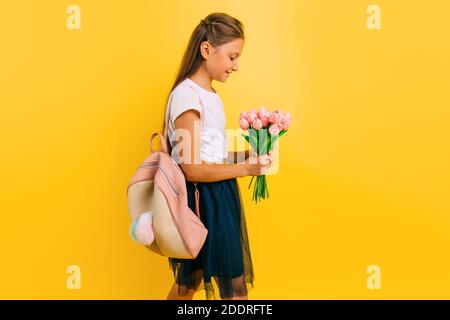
{"points": [[183, 97]]}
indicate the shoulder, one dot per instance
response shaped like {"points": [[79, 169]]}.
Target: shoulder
{"points": [[184, 98], [184, 95], [184, 91]]}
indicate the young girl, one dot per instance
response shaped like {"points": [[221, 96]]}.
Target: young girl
{"points": [[212, 54]]}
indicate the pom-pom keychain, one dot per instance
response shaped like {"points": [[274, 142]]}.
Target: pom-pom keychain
{"points": [[141, 229]]}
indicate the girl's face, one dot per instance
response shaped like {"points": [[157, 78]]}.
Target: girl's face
{"points": [[221, 61]]}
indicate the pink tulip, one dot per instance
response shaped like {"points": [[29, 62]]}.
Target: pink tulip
{"points": [[275, 117], [281, 115], [243, 123], [286, 121], [252, 115], [285, 124], [274, 129], [263, 113], [245, 116], [265, 121], [257, 124]]}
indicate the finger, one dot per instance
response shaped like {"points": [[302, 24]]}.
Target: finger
{"points": [[266, 166], [264, 170], [264, 160], [272, 157]]}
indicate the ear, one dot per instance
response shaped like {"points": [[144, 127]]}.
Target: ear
{"points": [[206, 49]]}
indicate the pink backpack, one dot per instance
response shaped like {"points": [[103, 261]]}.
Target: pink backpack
{"points": [[158, 191]]}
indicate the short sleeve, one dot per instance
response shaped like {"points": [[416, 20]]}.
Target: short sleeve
{"points": [[184, 98]]}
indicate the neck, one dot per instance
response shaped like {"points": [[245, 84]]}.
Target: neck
{"points": [[203, 79]]}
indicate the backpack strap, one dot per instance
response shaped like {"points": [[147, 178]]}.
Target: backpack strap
{"points": [[163, 142]]}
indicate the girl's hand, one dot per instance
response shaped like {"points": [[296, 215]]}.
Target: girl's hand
{"points": [[259, 165], [270, 156]]}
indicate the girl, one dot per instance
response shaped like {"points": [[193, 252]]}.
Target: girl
{"points": [[212, 54]]}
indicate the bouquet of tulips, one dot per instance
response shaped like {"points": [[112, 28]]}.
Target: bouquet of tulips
{"points": [[264, 128]]}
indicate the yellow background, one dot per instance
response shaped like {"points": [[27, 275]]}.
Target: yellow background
{"points": [[364, 170]]}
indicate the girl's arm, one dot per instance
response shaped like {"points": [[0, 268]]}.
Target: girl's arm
{"points": [[210, 172], [213, 172]]}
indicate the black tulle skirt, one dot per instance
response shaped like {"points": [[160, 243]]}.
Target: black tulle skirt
{"points": [[225, 257]]}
